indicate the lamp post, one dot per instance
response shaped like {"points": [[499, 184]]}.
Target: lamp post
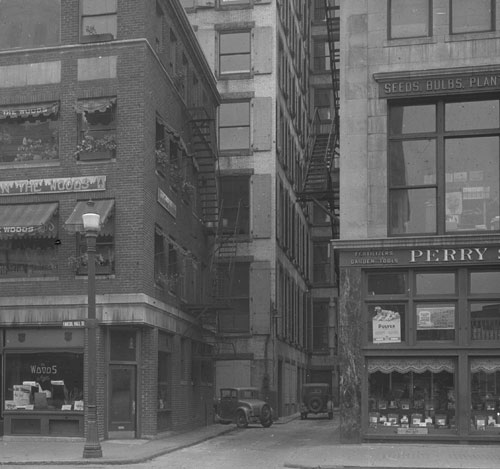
{"points": [[92, 448]]}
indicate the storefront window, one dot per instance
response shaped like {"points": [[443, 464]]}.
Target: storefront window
{"points": [[485, 321], [387, 283], [484, 282], [44, 381], [442, 283], [444, 172], [485, 394], [386, 323], [413, 393], [435, 321]]}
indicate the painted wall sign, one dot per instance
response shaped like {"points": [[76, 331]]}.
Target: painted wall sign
{"points": [[421, 256], [53, 185], [167, 203], [438, 85]]}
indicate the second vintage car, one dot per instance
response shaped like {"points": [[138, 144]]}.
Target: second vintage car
{"points": [[316, 399], [243, 406]]}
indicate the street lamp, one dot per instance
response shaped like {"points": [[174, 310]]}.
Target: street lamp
{"points": [[92, 448]]}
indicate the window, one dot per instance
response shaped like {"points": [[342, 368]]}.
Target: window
{"points": [[319, 10], [234, 52], [476, 16], [321, 55], [97, 129], [234, 2], [235, 192], [485, 388], [99, 19], [161, 256], [444, 167], [321, 267], [234, 126], [320, 326], [322, 103], [29, 133], [411, 393], [409, 18], [237, 282], [105, 252], [29, 23], [484, 305]]}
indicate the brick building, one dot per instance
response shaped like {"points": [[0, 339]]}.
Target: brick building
{"points": [[111, 102], [419, 297], [281, 333]]}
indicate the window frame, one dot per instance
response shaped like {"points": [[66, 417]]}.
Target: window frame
{"points": [[248, 125], [86, 36], [440, 136], [220, 54], [492, 20], [390, 28]]}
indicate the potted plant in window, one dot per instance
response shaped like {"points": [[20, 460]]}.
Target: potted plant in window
{"points": [[91, 148], [35, 149]]}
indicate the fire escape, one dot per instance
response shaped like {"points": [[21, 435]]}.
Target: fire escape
{"points": [[321, 179], [221, 264]]}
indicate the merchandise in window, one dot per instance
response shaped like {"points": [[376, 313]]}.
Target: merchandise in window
{"points": [[234, 52], [44, 381], [444, 167], [409, 18], [476, 16], [97, 129], [386, 323], [435, 321], [485, 394], [29, 132], [29, 23], [99, 19], [411, 393]]}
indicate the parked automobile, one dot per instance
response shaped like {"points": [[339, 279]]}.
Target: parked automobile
{"points": [[316, 399], [243, 406]]}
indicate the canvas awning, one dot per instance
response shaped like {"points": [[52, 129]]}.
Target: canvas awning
{"points": [[104, 208], [405, 365], [94, 105], [29, 110], [28, 220]]}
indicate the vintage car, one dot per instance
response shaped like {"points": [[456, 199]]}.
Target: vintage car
{"points": [[316, 399], [243, 406]]}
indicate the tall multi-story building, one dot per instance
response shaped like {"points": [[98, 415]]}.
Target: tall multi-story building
{"points": [[111, 102], [277, 331], [419, 322]]}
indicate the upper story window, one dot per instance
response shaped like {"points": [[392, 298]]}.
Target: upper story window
{"points": [[321, 55], [476, 16], [99, 19], [234, 52], [96, 129], [235, 194], [29, 132], [234, 125], [29, 23], [443, 167], [410, 18]]}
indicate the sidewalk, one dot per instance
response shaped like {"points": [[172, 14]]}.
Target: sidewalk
{"points": [[52, 452]]}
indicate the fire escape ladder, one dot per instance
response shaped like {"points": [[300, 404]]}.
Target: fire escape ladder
{"points": [[333, 30], [204, 145]]}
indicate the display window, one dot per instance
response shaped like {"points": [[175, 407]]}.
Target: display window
{"points": [[485, 394], [412, 395], [44, 381]]}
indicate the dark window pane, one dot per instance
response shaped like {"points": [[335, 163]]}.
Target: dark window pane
{"points": [[472, 115], [412, 119], [471, 166], [485, 321], [438, 283], [435, 321], [412, 162], [413, 211], [469, 16], [409, 18], [122, 345], [485, 282], [390, 283]]}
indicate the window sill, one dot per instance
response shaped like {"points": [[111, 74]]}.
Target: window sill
{"points": [[94, 156], [105, 37], [29, 279], [411, 41], [30, 164], [235, 76], [471, 36]]}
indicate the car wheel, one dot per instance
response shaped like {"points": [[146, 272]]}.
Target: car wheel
{"points": [[266, 417], [330, 415], [241, 419], [315, 404]]}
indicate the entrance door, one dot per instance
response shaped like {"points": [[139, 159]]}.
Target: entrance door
{"points": [[122, 399]]}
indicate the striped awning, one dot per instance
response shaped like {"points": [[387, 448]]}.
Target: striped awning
{"points": [[28, 110], [28, 220], [94, 105], [104, 208]]}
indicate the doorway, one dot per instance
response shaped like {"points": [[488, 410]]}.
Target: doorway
{"points": [[122, 401]]}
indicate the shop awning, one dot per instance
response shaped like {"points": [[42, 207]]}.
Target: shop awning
{"points": [[405, 365], [94, 105], [29, 110], [28, 220], [103, 207]]}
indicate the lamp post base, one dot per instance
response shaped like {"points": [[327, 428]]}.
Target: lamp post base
{"points": [[92, 448]]}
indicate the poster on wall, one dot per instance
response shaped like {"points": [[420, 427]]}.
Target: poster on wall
{"points": [[386, 326], [442, 317]]}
